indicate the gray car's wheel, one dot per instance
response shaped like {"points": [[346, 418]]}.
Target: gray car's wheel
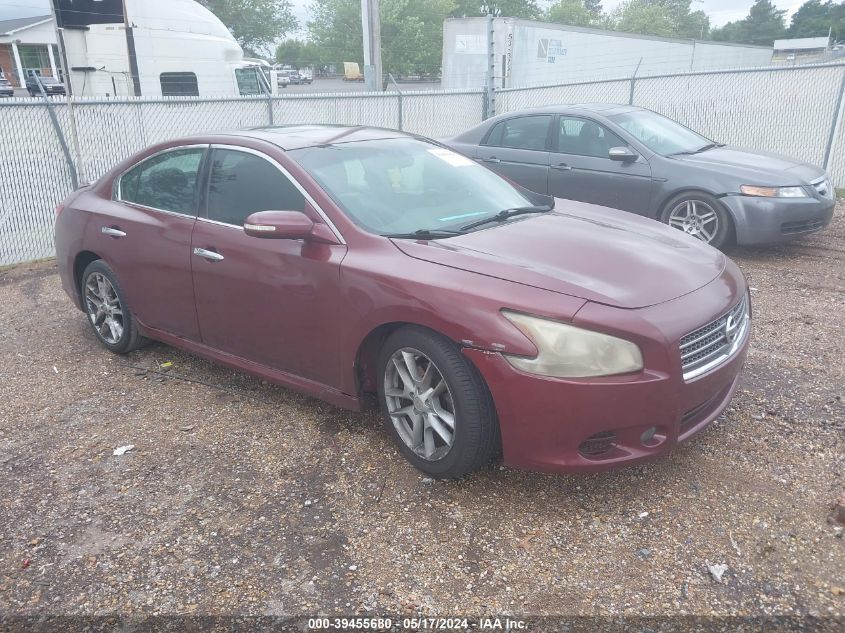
{"points": [[700, 215], [436, 405], [107, 310]]}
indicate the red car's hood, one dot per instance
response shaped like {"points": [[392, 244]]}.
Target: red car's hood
{"points": [[585, 251]]}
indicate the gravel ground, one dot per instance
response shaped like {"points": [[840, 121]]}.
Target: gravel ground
{"points": [[243, 498]]}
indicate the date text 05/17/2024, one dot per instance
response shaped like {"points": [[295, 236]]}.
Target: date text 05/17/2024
{"points": [[416, 624]]}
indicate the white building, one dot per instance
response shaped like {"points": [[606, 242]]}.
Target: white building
{"points": [[182, 49], [531, 53], [28, 45], [804, 49]]}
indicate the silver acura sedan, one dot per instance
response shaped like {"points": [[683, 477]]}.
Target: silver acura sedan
{"points": [[637, 160]]}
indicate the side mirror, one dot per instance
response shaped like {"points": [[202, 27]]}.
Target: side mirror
{"points": [[622, 154], [279, 225]]}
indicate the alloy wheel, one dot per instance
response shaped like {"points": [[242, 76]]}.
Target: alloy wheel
{"points": [[419, 403], [696, 218], [104, 308]]}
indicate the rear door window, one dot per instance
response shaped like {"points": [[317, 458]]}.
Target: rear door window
{"points": [[167, 182], [527, 132]]}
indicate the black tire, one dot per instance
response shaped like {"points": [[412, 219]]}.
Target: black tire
{"points": [[476, 438], [130, 338], [723, 235]]}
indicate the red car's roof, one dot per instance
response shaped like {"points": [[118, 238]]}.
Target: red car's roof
{"points": [[298, 136]]}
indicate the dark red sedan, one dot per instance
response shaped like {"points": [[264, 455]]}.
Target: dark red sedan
{"points": [[346, 261]]}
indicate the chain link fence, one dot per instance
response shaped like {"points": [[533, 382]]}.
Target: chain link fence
{"points": [[101, 133], [798, 111]]}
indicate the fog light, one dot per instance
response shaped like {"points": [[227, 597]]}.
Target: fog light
{"points": [[598, 444], [648, 435]]}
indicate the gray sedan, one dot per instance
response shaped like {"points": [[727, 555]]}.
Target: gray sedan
{"points": [[639, 161]]}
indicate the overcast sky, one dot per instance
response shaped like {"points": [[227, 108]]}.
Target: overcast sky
{"points": [[720, 11]]}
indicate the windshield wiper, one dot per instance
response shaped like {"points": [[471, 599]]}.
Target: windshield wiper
{"points": [[704, 148], [501, 216], [425, 234]]}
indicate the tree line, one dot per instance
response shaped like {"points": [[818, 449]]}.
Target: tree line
{"points": [[412, 30]]}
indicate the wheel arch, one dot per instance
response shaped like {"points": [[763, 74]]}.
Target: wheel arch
{"points": [[689, 190], [82, 260], [367, 354]]}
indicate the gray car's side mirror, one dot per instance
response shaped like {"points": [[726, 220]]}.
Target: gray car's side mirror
{"points": [[622, 154]]}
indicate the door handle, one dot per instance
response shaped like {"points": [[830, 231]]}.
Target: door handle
{"points": [[112, 232], [492, 159], [562, 167], [206, 254]]}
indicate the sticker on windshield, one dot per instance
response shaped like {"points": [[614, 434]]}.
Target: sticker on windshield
{"points": [[456, 160]]}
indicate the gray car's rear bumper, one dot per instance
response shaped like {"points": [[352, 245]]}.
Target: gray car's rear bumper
{"points": [[767, 220]]}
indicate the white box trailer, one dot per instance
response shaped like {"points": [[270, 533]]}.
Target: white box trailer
{"points": [[180, 46], [531, 53]]}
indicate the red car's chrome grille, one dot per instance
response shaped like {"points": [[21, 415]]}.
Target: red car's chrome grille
{"points": [[712, 344]]}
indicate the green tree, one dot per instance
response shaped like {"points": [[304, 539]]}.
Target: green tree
{"points": [[500, 8], [574, 12], [763, 25], [411, 33], [256, 24], [646, 17], [668, 18], [335, 29], [816, 19], [298, 53]]}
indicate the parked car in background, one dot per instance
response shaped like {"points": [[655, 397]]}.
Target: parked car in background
{"points": [[6, 89], [52, 86], [295, 77], [346, 261], [636, 160], [307, 75]]}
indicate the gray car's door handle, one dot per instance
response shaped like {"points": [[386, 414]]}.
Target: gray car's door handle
{"points": [[492, 159], [107, 230], [562, 167], [206, 254]]}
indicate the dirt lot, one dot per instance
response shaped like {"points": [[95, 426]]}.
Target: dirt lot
{"points": [[242, 497]]}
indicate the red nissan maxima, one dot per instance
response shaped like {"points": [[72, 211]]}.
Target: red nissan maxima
{"points": [[342, 262]]}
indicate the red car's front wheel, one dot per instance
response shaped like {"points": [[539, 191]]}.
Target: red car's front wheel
{"points": [[436, 405]]}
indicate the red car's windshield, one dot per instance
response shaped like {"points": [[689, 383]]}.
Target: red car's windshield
{"points": [[403, 185]]}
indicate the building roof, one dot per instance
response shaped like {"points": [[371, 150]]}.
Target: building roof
{"points": [[7, 27], [801, 43]]}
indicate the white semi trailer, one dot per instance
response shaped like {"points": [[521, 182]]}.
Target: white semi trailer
{"points": [[531, 53], [181, 48]]}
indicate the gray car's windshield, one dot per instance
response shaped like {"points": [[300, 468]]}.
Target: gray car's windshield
{"points": [[660, 134], [406, 186]]}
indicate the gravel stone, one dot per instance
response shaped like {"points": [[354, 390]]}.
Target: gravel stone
{"points": [[212, 520]]}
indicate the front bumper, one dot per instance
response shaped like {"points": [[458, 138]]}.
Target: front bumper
{"points": [[769, 220], [556, 424]]}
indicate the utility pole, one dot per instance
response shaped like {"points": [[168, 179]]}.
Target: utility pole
{"points": [[132, 56], [371, 23]]}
